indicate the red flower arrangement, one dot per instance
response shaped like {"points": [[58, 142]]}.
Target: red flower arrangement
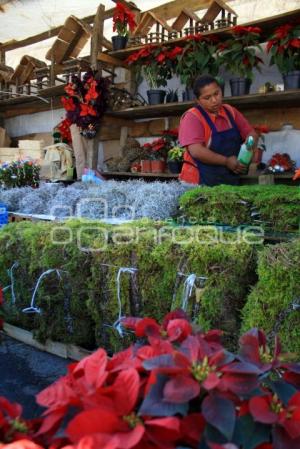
{"points": [[122, 19], [158, 148], [86, 102], [284, 47], [177, 387], [64, 129], [280, 162]]}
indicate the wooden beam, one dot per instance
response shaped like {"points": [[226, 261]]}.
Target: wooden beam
{"points": [[172, 9], [13, 44], [107, 59], [97, 37]]}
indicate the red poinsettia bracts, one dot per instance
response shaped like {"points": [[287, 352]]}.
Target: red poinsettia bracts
{"points": [[284, 47], [176, 387], [122, 19]]}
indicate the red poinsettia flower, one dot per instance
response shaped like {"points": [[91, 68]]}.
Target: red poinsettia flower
{"points": [[282, 31], [123, 17], [242, 30], [174, 52], [294, 43], [269, 409], [196, 365], [68, 104], [118, 423], [86, 109], [254, 349], [175, 326]]}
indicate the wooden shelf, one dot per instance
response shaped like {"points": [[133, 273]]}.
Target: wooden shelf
{"points": [[268, 25], [126, 174], [257, 101], [280, 178]]}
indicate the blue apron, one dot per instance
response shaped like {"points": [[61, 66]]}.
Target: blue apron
{"points": [[226, 143]]}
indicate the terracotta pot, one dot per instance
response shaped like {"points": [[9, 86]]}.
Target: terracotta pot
{"points": [[158, 166], [257, 157], [146, 166]]}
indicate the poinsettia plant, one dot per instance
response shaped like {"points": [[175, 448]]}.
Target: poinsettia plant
{"points": [[123, 20], [86, 101], [177, 387], [238, 54], [284, 48], [198, 56], [155, 64]]}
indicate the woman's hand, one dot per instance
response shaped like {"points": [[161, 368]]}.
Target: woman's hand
{"points": [[234, 165]]}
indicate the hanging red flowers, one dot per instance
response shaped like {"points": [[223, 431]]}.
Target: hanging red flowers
{"points": [[86, 102]]}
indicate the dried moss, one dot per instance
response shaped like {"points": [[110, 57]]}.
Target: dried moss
{"points": [[278, 286]]}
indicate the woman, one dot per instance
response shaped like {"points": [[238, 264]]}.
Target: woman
{"points": [[212, 134]]}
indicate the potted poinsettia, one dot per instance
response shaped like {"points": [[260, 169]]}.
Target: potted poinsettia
{"points": [[175, 159], [238, 55], [198, 57], [123, 22], [156, 66], [284, 48]]}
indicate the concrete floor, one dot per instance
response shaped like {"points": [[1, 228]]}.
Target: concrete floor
{"points": [[24, 371]]}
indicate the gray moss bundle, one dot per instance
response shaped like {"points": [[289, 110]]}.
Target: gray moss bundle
{"points": [[270, 304], [129, 200], [82, 307], [274, 207]]}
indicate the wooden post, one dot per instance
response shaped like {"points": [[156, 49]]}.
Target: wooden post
{"points": [[97, 38]]}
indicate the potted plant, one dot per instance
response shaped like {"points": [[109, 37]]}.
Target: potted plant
{"points": [[197, 57], [123, 19], [284, 47], [175, 159], [238, 55], [156, 66]]}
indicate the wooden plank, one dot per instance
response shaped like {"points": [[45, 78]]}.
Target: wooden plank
{"points": [[214, 9], [182, 19], [256, 101], [59, 349]]}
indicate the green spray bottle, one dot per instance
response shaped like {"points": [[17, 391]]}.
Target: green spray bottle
{"points": [[246, 153]]}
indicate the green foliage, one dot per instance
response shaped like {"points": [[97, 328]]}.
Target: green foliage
{"points": [[284, 48], [238, 53], [19, 174], [269, 304], [198, 57], [176, 153], [278, 206], [82, 307]]}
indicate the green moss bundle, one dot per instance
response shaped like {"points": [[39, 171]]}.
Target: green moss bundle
{"points": [[275, 207], [270, 304], [81, 306]]}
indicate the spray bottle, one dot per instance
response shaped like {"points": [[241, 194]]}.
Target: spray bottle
{"points": [[246, 153]]}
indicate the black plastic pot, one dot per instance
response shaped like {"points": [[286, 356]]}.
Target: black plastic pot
{"points": [[119, 42], [174, 166], [156, 96], [171, 97], [292, 80], [240, 86], [188, 94]]}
